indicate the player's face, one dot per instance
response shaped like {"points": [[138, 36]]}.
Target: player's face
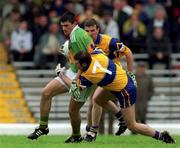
{"points": [[67, 27], [92, 31]]}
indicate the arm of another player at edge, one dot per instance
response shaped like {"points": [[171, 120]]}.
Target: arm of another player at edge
{"points": [[129, 61], [66, 80]]}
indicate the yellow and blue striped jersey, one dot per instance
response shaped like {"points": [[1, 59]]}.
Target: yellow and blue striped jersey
{"points": [[112, 47], [104, 72]]}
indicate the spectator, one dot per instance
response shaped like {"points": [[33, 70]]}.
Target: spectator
{"points": [[121, 13], [151, 7], [32, 10], [78, 7], [88, 14], [8, 7], [144, 92], [135, 33], [159, 48], [58, 6], [2, 4], [139, 8], [46, 6], [52, 14], [159, 20], [107, 23], [10, 24], [21, 43], [70, 6], [39, 28], [74, 6], [98, 6], [47, 50]]}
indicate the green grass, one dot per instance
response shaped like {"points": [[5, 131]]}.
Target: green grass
{"points": [[101, 142]]}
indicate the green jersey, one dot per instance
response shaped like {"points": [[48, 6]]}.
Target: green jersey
{"points": [[79, 40]]}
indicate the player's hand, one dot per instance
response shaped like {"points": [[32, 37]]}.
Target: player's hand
{"points": [[132, 75], [60, 70], [74, 90]]}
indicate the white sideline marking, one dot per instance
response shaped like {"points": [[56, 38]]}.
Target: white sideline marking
{"points": [[65, 128]]}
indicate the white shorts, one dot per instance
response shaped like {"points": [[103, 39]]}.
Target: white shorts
{"points": [[70, 74], [85, 93]]}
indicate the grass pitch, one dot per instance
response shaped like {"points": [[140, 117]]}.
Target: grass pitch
{"points": [[135, 141]]}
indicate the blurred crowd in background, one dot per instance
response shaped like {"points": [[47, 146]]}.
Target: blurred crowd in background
{"points": [[30, 28]]}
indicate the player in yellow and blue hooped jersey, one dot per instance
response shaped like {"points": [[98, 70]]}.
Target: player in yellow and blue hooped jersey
{"points": [[98, 69], [112, 47], [115, 50], [105, 73]]}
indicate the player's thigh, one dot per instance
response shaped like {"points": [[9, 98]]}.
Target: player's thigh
{"points": [[54, 87], [129, 115], [75, 106], [101, 96]]}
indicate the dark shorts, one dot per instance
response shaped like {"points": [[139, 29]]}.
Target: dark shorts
{"points": [[127, 96]]}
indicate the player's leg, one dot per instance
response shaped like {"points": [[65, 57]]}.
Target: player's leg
{"points": [[127, 99], [74, 112], [97, 109], [89, 113], [96, 113], [53, 88], [75, 119], [101, 98], [129, 117], [106, 100]]}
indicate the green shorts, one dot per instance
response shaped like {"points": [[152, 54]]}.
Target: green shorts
{"points": [[85, 93]]}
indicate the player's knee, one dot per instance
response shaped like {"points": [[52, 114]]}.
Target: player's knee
{"points": [[98, 102], [46, 93], [95, 101]]}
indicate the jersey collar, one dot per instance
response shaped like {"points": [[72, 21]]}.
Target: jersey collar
{"points": [[76, 27], [98, 39]]}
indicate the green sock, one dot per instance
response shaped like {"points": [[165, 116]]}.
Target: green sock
{"points": [[76, 134], [43, 121]]}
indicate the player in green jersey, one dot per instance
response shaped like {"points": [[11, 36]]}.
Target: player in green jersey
{"points": [[78, 39]]}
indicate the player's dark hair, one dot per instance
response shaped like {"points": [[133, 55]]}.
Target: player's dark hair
{"points": [[91, 22], [84, 59], [68, 17]]}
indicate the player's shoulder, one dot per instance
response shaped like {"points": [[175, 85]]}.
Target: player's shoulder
{"points": [[109, 39], [81, 33], [79, 30], [105, 36], [78, 34]]}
